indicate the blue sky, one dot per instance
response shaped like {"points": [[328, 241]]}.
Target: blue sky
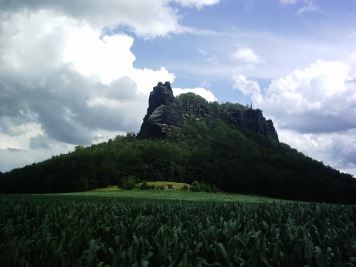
{"points": [[75, 73]]}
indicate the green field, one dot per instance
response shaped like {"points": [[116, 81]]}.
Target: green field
{"points": [[172, 228], [167, 195], [158, 185]]}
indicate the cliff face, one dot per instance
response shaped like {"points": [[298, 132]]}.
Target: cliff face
{"points": [[245, 118], [165, 113], [251, 120]]}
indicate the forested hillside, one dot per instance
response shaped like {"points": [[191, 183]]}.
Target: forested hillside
{"points": [[205, 149]]}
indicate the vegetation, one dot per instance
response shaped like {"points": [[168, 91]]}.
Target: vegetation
{"points": [[206, 150], [211, 108], [77, 230], [168, 195], [136, 224], [164, 185]]}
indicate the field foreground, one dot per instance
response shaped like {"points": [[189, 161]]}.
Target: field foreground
{"points": [[157, 228]]}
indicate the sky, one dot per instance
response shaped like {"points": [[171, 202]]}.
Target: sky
{"points": [[76, 72]]}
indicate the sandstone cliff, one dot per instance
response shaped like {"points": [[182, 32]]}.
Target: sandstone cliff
{"points": [[165, 113], [251, 120]]}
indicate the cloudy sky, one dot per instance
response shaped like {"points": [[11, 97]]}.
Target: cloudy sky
{"points": [[77, 72]]}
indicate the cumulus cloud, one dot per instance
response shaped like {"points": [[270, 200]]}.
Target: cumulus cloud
{"points": [[65, 82], [207, 94], [145, 18], [314, 110], [246, 55], [337, 150], [246, 86], [318, 99], [67, 74], [146, 79]]}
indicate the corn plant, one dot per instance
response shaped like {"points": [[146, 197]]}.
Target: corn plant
{"points": [[65, 231]]}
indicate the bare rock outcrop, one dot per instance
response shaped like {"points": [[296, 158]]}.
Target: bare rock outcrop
{"points": [[164, 113]]}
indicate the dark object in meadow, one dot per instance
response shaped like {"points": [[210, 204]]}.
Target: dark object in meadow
{"points": [[170, 187]]}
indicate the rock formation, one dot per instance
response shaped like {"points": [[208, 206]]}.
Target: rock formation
{"points": [[164, 113], [243, 117], [251, 120]]}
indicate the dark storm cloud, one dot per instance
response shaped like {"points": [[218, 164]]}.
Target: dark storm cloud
{"points": [[9, 104], [318, 123], [62, 106], [117, 106], [39, 142]]}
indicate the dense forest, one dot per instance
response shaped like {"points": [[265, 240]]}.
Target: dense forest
{"points": [[206, 149]]}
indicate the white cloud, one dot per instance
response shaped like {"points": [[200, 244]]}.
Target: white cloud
{"points": [[146, 79], [337, 150], [67, 74], [313, 100], [197, 3], [145, 18], [208, 95], [307, 5], [246, 55], [104, 58], [62, 83], [314, 110], [246, 86]]}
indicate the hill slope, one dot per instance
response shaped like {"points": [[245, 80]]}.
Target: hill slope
{"points": [[237, 155]]}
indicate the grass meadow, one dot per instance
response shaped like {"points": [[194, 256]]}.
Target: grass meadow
{"points": [[167, 195]]}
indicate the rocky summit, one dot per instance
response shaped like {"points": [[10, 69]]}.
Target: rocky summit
{"points": [[165, 113], [251, 120]]}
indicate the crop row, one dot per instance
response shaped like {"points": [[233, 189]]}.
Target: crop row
{"points": [[48, 231]]}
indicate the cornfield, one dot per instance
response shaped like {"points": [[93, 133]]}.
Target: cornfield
{"points": [[65, 231]]}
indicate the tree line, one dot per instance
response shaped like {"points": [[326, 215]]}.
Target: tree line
{"points": [[205, 150]]}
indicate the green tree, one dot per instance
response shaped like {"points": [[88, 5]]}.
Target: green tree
{"points": [[127, 183], [195, 187], [144, 186], [185, 188], [83, 184], [108, 172]]}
